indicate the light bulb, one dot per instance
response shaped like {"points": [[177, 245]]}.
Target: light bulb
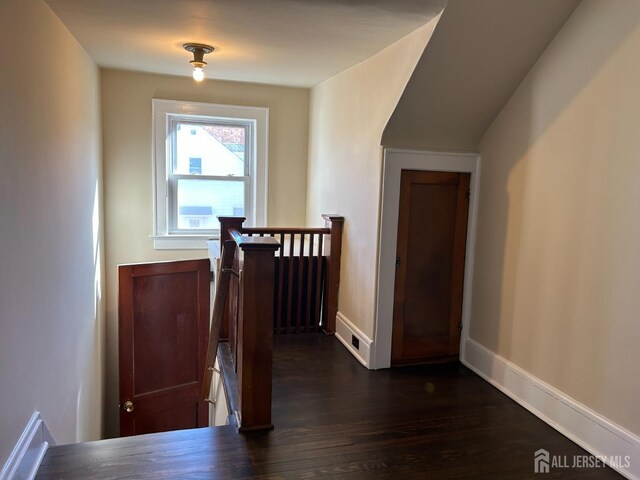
{"points": [[198, 74]]}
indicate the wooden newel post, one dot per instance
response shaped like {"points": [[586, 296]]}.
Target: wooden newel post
{"points": [[333, 252], [227, 223], [255, 332]]}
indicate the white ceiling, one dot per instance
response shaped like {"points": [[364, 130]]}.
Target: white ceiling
{"points": [[284, 42]]}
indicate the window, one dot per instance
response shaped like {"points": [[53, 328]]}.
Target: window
{"points": [[195, 166], [209, 161]]}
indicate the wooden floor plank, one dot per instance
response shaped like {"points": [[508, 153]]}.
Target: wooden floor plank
{"points": [[335, 419]]}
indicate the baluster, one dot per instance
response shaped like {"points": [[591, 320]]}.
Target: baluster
{"points": [[318, 282], [234, 308], [282, 315], [309, 259], [290, 287], [276, 297], [300, 285]]}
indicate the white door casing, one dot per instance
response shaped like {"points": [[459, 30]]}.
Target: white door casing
{"points": [[394, 161]]}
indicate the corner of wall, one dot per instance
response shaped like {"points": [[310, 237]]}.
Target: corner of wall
{"points": [[348, 113], [614, 445]]}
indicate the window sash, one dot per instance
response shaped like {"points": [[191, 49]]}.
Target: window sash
{"points": [[172, 200], [249, 127], [173, 178]]}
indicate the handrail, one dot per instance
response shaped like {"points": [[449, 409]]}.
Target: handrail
{"points": [[219, 303], [253, 243], [286, 230]]}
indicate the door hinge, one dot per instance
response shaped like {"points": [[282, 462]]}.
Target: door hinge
{"points": [[460, 327], [397, 261], [468, 193]]}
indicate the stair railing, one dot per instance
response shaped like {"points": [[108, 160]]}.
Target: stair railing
{"points": [[270, 281]]}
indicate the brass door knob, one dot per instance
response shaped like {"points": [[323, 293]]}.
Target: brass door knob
{"points": [[128, 406]]}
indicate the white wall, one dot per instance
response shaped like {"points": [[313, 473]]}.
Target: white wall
{"points": [[348, 114], [51, 322], [557, 258], [126, 108]]}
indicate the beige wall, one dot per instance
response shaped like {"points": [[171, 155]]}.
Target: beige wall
{"points": [[126, 107], [557, 258], [348, 114], [51, 320]]}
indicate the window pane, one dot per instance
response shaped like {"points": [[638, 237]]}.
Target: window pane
{"points": [[220, 149], [195, 166], [200, 202]]}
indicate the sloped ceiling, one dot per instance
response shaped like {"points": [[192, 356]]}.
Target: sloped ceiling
{"points": [[284, 42], [478, 55]]}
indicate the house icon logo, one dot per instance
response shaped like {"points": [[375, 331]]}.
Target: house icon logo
{"points": [[541, 461]]}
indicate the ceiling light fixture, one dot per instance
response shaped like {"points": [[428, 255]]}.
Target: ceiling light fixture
{"points": [[199, 50]]}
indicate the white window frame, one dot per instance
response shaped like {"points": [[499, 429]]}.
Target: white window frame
{"points": [[164, 114]]}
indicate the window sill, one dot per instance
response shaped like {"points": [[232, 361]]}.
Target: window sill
{"points": [[182, 242]]}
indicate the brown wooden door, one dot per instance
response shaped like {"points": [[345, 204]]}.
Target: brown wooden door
{"points": [[432, 234], [163, 311]]}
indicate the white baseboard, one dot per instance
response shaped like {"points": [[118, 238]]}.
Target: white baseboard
{"points": [[593, 432], [345, 331], [24, 461]]}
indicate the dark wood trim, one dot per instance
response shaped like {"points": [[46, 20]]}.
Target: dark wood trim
{"points": [[227, 223], [319, 274], [335, 223], [281, 325], [255, 334], [307, 284], [290, 306], [459, 259], [219, 304], [299, 325], [278, 230], [253, 243], [401, 270]]}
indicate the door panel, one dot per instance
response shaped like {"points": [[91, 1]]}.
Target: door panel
{"points": [[163, 319], [430, 265], [165, 307]]}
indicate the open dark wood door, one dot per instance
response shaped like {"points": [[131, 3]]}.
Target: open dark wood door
{"points": [[432, 235], [163, 311]]}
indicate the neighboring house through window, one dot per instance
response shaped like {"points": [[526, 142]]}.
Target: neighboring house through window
{"points": [[209, 161], [195, 166]]}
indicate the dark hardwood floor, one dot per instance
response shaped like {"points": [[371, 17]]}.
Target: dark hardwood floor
{"points": [[335, 419]]}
